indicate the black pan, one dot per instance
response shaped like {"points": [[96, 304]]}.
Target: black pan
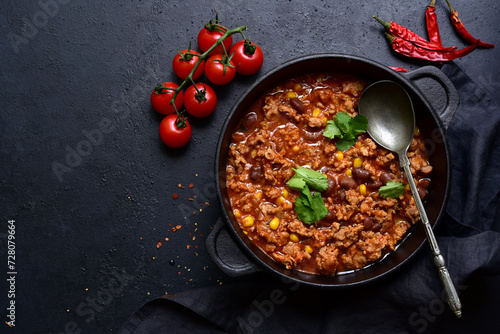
{"points": [[430, 126]]}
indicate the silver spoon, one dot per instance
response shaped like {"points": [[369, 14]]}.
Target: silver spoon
{"points": [[391, 123]]}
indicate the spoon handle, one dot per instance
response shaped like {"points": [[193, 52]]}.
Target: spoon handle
{"points": [[444, 275]]}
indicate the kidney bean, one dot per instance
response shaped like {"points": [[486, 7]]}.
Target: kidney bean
{"points": [[250, 120], [298, 105], [385, 177], [359, 173], [312, 135], [421, 192], [256, 173], [376, 227], [368, 223], [424, 183], [347, 182], [331, 187], [374, 184]]}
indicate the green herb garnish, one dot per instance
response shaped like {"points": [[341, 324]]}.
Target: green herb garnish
{"points": [[392, 189], [345, 128], [304, 176], [310, 208]]}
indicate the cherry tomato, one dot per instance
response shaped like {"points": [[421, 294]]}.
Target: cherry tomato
{"points": [[198, 108], [209, 35], [220, 70], [183, 64], [248, 57], [171, 134], [161, 96]]}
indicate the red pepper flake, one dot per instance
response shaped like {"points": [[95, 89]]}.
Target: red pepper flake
{"points": [[194, 237], [180, 185], [178, 227], [188, 246], [166, 239], [190, 199], [191, 185], [175, 196], [158, 245]]}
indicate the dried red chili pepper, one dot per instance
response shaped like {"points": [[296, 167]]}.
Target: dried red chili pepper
{"points": [[432, 23], [398, 69], [398, 30], [409, 49], [462, 32]]}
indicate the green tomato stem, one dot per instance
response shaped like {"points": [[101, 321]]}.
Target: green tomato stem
{"points": [[202, 57]]}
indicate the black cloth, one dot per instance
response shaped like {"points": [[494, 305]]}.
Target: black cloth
{"points": [[410, 300]]}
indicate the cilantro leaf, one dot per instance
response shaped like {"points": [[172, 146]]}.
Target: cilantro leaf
{"points": [[310, 208], [392, 189], [345, 128], [296, 183], [342, 120], [331, 130], [347, 141], [312, 178], [358, 124]]}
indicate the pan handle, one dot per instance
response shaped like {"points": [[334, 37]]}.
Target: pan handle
{"points": [[432, 81], [226, 254]]}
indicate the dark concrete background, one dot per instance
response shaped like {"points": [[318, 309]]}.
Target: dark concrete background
{"points": [[74, 91]]}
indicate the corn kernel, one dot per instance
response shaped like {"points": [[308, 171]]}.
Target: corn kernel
{"points": [[294, 237], [280, 201], [297, 87], [285, 193], [358, 144], [247, 221], [308, 249], [417, 131], [237, 214], [258, 195], [291, 94], [407, 187], [287, 205], [357, 162], [362, 189], [325, 121], [348, 173], [296, 148], [340, 156], [274, 223], [316, 112]]}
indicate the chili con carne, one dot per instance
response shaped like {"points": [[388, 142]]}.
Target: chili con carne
{"points": [[409, 49], [462, 31], [404, 33]]}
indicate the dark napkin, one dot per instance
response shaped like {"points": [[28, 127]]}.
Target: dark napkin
{"points": [[410, 300]]}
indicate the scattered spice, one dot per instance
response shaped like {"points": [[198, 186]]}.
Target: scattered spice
{"points": [[462, 31], [191, 185], [175, 196], [158, 245], [178, 227], [188, 246]]}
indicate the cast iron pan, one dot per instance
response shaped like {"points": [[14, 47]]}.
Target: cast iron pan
{"points": [[225, 251]]}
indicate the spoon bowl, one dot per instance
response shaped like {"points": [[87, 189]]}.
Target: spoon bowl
{"points": [[391, 124], [390, 111]]}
